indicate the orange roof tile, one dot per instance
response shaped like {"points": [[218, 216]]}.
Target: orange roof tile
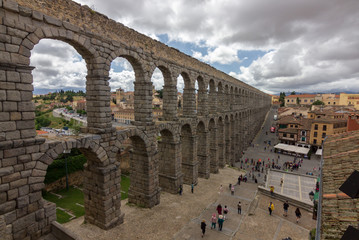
{"points": [[301, 96]]}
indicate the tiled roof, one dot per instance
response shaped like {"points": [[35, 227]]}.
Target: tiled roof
{"points": [[301, 96], [341, 158]]}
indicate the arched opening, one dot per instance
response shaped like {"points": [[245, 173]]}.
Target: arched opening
{"points": [[122, 78], [158, 93], [170, 167], [231, 99], [221, 143], [180, 88], [226, 98], [202, 151], [213, 156], [232, 140], [189, 157]]}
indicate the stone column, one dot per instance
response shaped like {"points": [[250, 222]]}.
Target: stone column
{"points": [[143, 103], [170, 170], [213, 151], [189, 159], [202, 109], [189, 102], [170, 103], [98, 104], [221, 145], [102, 193]]}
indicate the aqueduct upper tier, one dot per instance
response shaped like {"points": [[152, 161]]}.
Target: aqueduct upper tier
{"points": [[213, 130]]}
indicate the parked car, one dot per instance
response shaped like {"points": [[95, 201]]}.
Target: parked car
{"points": [[272, 129]]}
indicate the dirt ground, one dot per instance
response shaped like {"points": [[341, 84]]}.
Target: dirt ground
{"points": [[164, 220]]}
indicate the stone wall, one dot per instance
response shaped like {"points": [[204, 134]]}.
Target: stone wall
{"points": [[231, 106]]}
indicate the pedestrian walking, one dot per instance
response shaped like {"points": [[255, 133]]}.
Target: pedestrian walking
{"points": [[220, 222], [213, 221], [219, 209], [192, 187], [203, 227], [239, 206], [271, 190], [220, 189], [225, 211], [180, 190], [232, 190], [281, 182], [285, 207], [298, 214], [271, 208]]}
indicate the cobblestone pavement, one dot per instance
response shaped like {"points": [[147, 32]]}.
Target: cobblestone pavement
{"points": [[294, 185], [258, 152]]}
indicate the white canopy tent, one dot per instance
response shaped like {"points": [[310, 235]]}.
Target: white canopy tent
{"points": [[292, 148], [319, 152]]}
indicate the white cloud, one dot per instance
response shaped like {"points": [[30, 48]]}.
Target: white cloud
{"points": [[221, 54], [311, 45]]}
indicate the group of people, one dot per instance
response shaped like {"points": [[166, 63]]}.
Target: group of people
{"points": [[222, 216], [297, 212]]}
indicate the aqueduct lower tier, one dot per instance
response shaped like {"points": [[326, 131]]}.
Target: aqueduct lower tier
{"points": [[210, 133]]}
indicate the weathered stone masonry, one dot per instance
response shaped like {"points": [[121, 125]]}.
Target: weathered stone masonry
{"points": [[165, 154]]}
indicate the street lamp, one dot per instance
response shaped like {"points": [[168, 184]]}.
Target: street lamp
{"points": [[67, 151]]}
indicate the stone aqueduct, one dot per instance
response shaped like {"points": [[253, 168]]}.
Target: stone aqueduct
{"points": [[195, 144]]}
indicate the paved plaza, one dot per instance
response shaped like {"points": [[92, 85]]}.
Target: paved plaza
{"points": [[294, 185]]}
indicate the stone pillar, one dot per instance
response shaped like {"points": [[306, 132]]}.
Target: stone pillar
{"points": [[221, 145], [203, 151], [170, 170], [213, 149], [189, 102], [102, 193], [202, 109], [144, 190], [189, 156], [98, 104], [143, 102], [227, 141], [170, 103]]}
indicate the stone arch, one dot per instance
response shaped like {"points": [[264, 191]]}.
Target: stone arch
{"points": [[142, 84], [144, 183], [170, 167], [189, 156], [226, 99], [213, 147], [169, 108], [98, 174], [202, 150]]}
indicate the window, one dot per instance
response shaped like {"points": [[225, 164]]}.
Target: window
{"points": [[324, 127], [311, 100], [303, 139], [291, 125], [323, 135], [328, 103], [296, 126], [292, 100], [316, 127], [303, 133], [333, 103], [292, 136], [315, 134], [284, 135], [288, 100], [315, 141], [305, 100]]}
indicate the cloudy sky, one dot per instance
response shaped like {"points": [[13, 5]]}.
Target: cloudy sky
{"points": [[278, 45]]}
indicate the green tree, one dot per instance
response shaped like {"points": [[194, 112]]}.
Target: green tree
{"points": [[281, 98], [160, 93], [318, 102], [293, 93], [298, 101]]}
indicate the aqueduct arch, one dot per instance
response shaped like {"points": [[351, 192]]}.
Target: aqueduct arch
{"points": [[196, 138]]}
